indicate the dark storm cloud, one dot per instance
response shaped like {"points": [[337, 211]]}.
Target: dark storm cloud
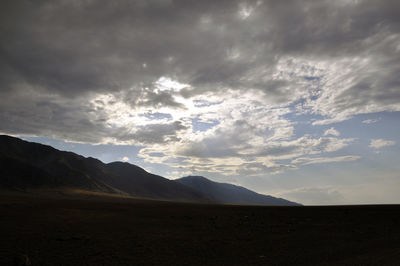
{"points": [[71, 119], [29, 114], [150, 98], [72, 49], [328, 28], [153, 133]]}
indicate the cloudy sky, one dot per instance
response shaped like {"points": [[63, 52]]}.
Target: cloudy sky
{"points": [[297, 99]]}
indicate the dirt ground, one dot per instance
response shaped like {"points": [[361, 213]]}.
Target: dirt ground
{"points": [[98, 230]]}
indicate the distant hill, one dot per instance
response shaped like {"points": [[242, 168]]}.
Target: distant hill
{"points": [[136, 181], [26, 165], [228, 193]]}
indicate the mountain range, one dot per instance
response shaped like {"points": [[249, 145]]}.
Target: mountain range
{"points": [[26, 165], [228, 193]]}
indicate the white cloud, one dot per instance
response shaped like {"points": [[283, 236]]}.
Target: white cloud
{"points": [[168, 84], [307, 160], [125, 159], [350, 86], [233, 149], [379, 143], [370, 121], [332, 132]]}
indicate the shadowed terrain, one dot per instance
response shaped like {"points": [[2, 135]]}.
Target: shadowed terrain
{"points": [[228, 193], [25, 166], [59, 208], [81, 229]]}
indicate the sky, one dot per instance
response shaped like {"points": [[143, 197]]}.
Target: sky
{"points": [[296, 99]]}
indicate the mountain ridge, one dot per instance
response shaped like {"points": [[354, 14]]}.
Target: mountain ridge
{"points": [[28, 165], [62, 169], [229, 193]]}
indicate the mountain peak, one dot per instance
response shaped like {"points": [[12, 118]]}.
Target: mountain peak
{"points": [[195, 178]]}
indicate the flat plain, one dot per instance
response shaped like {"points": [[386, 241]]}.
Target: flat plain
{"points": [[62, 229]]}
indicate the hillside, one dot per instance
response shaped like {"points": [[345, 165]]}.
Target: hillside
{"points": [[26, 165], [228, 193]]}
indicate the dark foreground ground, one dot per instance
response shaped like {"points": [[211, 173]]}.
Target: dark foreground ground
{"points": [[105, 231]]}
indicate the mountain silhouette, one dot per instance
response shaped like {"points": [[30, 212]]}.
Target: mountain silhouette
{"points": [[26, 165], [228, 193]]}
